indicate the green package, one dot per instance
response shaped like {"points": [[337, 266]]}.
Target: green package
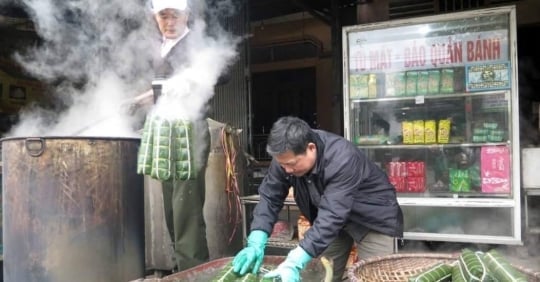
{"points": [[422, 84], [434, 81], [412, 82], [400, 83], [459, 180], [447, 81]]}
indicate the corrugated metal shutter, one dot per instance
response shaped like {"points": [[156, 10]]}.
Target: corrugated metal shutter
{"points": [[230, 103]]}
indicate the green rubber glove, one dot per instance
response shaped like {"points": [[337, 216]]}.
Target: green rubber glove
{"points": [[251, 257], [289, 270]]}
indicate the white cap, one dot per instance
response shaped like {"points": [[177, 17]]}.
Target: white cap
{"points": [[158, 5]]}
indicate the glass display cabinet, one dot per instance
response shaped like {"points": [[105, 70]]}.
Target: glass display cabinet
{"points": [[434, 102]]}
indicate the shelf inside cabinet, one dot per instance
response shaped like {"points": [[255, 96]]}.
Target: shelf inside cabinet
{"points": [[428, 97], [430, 146], [453, 195]]}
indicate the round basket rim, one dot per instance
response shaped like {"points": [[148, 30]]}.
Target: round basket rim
{"points": [[363, 262], [445, 256]]}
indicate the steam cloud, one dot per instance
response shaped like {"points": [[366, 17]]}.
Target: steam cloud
{"points": [[97, 55]]}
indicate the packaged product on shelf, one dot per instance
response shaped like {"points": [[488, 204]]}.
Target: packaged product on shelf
{"points": [[416, 176], [412, 81], [418, 129], [474, 175], [415, 168], [491, 125], [443, 131], [480, 131], [459, 180], [397, 169], [415, 184], [479, 135], [495, 169], [358, 86], [372, 86], [390, 84], [397, 172], [398, 182], [422, 84], [479, 138], [372, 139], [434, 81], [496, 136], [408, 133], [447, 81], [400, 83], [430, 131]]}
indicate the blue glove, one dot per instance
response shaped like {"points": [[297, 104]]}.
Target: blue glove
{"points": [[251, 257], [289, 270]]}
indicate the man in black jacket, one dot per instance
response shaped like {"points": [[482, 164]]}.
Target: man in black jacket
{"points": [[346, 197]]}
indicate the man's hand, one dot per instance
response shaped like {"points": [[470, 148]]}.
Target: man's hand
{"points": [[289, 270], [251, 257], [144, 99]]}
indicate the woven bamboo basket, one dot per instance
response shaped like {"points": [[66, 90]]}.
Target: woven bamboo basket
{"points": [[399, 267]]}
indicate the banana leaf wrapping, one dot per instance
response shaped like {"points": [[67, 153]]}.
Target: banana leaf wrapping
{"points": [[437, 273], [144, 157], [166, 149], [184, 161], [473, 266], [227, 275], [501, 269], [458, 273]]}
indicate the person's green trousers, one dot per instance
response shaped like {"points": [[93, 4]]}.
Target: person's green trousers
{"points": [[183, 202]]}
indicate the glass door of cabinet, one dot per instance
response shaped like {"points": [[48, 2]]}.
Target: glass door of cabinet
{"points": [[433, 101]]}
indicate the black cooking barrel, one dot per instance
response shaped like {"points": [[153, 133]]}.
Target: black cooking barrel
{"points": [[73, 209]]}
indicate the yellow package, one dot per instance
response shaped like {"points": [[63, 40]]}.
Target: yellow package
{"points": [[443, 134], [418, 129], [430, 127], [407, 130]]}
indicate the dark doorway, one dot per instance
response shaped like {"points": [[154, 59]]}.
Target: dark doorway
{"points": [[280, 93]]}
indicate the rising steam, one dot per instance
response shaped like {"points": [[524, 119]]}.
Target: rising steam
{"points": [[97, 55]]}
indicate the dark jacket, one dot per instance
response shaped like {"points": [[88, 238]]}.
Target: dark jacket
{"points": [[353, 194], [177, 58]]}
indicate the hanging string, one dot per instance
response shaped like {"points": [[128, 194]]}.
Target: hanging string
{"points": [[231, 181]]}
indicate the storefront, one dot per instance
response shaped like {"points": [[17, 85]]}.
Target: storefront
{"points": [[434, 101]]}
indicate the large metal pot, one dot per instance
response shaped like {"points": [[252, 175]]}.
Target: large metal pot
{"points": [[73, 209]]}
